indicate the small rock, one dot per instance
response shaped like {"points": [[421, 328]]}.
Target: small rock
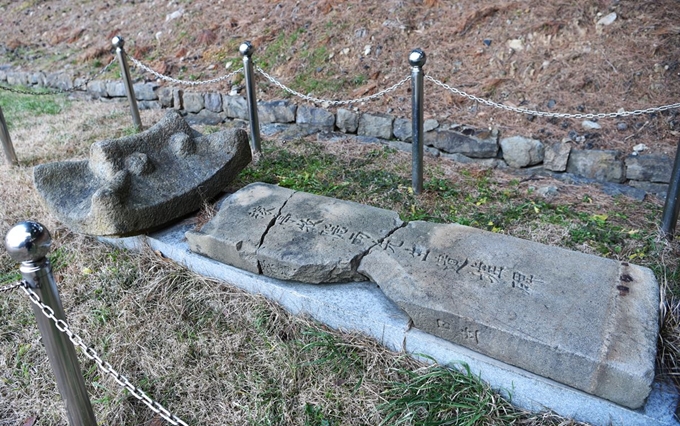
{"points": [[621, 126], [573, 135], [552, 103], [174, 15], [516, 44], [640, 147], [590, 125], [367, 50], [607, 19], [547, 191], [487, 42]]}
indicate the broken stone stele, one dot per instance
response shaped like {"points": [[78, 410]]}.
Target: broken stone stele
{"points": [[142, 181], [585, 321], [582, 320], [293, 235]]}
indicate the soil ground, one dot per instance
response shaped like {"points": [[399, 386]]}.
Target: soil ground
{"points": [[551, 56]]}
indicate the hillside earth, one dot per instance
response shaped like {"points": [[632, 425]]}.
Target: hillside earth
{"points": [[590, 56]]}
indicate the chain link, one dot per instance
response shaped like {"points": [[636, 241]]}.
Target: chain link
{"points": [[90, 353], [56, 91], [11, 287], [550, 114], [328, 101], [182, 82]]}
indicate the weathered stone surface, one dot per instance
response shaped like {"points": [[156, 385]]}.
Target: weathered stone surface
{"points": [[491, 163], [98, 88], [142, 181], [651, 167], [658, 189], [235, 107], [213, 102], [276, 112], [403, 128], [62, 81], [178, 99], [484, 145], [347, 121], [38, 78], [227, 238], [17, 79], [582, 320], [315, 116], [557, 156], [521, 152], [205, 117], [145, 91], [165, 96], [293, 235], [114, 89], [149, 105], [193, 102], [376, 125], [602, 165]]}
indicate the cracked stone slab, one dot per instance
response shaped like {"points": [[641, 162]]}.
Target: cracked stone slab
{"points": [[140, 182], [582, 320], [293, 235]]}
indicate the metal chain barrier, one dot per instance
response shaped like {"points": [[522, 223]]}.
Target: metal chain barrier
{"points": [[182, 82], [58, 91], [11, 287], [550, 114], [90, 353], [328, 101]]}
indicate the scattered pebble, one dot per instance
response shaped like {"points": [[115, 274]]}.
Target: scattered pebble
{"points": [[590, 125], [487, 42], [621, 126], [607, 19], [552, 103], [367, 50], [174, 15], [516, 44], [547, 191], [640, 147]]}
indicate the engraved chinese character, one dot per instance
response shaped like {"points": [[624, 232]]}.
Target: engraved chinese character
{"points": [[359, 237], [443, 324], [470, 334], [490, 272], [522, 281], [389, 245], [283, 219], [259, 212], [418, 252], [447, 262], [333, 230], [307, 225]]}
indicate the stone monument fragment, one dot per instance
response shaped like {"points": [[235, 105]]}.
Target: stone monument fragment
{"points": [[579, 319], [293, 235], [142, 181], [582, 320]]}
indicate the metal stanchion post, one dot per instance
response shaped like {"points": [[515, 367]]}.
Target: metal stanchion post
{"points": [[29, 243], [246, 50], [671, 208], [7, 141], [118, 42], [417, 60]]}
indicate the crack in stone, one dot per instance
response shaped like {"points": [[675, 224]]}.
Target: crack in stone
{"points": [[356, 261], [270, 225]]}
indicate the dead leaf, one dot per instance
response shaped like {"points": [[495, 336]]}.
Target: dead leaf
{"points": [[366, 89], [30, 421]]}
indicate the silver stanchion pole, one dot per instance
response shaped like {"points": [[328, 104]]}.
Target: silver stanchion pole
{"points": [[7, 141], [118, 42], [29, 243], [417, 60], [671, 208], [246, 50]]}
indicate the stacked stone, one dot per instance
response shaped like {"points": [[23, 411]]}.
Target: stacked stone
{"points": [[633, 175]]}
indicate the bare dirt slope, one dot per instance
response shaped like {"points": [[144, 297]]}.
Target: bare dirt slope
{"points": [[549, 55]]}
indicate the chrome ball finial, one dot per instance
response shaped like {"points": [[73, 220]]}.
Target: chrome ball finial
{"points": [[28, 242], [246, 48], [118, 42], [417, 58]]}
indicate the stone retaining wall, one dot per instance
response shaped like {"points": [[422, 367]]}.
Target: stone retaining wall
{"points": [[633, 175]]}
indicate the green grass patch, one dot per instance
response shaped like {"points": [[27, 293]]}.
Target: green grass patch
{"points": [[19, 108]]}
